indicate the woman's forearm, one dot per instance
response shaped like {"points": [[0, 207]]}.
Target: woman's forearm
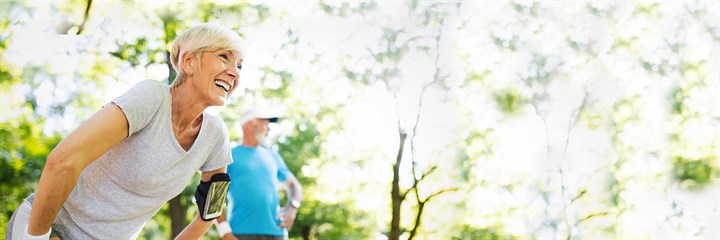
{"points": [[57, 181], [199, 227], [195, 229]]}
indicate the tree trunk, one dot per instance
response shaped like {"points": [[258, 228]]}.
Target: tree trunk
{"points": [[171, 71], [305, 232], [169, 26], [395, 195], [418, 217], [176, 209], [177, 215]]}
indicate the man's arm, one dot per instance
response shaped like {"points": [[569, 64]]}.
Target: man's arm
{"points": [[198, 226], [294, 193]]}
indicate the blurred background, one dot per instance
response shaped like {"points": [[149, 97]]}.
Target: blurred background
{"points": [[412, 119]]}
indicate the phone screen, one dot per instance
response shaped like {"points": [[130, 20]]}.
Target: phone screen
{"points": [[215, 199]]}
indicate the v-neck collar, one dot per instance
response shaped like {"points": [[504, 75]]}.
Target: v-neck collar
{"points": [[172, 132]]}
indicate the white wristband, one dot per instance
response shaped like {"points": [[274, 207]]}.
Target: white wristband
{"points": [[41, 237], [223, 228]]}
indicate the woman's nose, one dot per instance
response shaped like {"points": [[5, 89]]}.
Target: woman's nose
{"points": [[233, 72]]}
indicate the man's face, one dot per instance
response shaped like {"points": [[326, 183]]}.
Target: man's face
{"points": [[261, 128]]}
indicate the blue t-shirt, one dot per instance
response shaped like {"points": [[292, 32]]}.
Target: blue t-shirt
{"points": [[253, 196]]}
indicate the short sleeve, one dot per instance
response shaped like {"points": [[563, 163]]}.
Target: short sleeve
{"points": [[283, 171], [140, 104], [220, 155]]}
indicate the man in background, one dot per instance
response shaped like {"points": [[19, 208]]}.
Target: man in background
{"points": [[253, 210]]}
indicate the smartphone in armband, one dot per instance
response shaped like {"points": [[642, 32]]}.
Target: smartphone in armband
{"points": [[215, 197]]}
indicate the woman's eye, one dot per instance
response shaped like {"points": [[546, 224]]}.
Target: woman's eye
{"points": [[224, 56]]}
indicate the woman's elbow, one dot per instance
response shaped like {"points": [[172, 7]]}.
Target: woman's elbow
{"points": [[60, 164]]}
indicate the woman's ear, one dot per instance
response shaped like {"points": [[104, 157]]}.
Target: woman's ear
{"points": [[188, 61]]}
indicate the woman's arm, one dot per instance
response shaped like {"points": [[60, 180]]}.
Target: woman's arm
{"points": [[94, 137], [223, 220], [198, 226]]}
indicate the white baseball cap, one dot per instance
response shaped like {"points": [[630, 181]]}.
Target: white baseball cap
{"points": [[259, 113]]}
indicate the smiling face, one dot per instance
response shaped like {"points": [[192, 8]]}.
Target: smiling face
{"points": [[216, 77]]}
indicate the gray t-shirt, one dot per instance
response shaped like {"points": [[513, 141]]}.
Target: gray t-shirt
{"points": [[120, 191]]}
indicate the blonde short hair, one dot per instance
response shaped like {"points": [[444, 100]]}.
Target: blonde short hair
{"points": [[201, 38]]}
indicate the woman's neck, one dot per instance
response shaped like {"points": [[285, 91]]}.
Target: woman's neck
{"points": [[186, 106]]}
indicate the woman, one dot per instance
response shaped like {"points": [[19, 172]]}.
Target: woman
{"points": [[113, 173]]}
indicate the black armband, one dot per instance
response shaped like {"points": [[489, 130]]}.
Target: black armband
{"points": [[210, 196]]}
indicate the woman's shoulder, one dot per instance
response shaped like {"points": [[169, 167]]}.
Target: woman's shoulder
{"points": [[148, 88], [151, 84], [215, 124]]}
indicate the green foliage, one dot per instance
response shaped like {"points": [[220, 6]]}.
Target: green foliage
{"points": [[6, 77], [321, 220], [23, 151], [159, 225], [479, 143], [279, 91], [477, 77], [509, 100], [614, 188], [139, 53], [490, 233], [646, 8], [301, 145], [677, 100], [694, 165], [694, 173], [510, 44], [530, 8], [344, 9]]}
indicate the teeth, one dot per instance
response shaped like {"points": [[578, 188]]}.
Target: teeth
{"points": [[223, 85]]}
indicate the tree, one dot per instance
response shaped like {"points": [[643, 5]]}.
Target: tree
{"points": [[421, 32]]}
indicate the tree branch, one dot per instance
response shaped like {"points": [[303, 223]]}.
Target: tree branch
{"points": [[578, 196], [416, 180], [85, 17], [413, 187], [574, 117], [592, 215], [419, 111], [436, 78], [428, 172], [438, 193]]}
